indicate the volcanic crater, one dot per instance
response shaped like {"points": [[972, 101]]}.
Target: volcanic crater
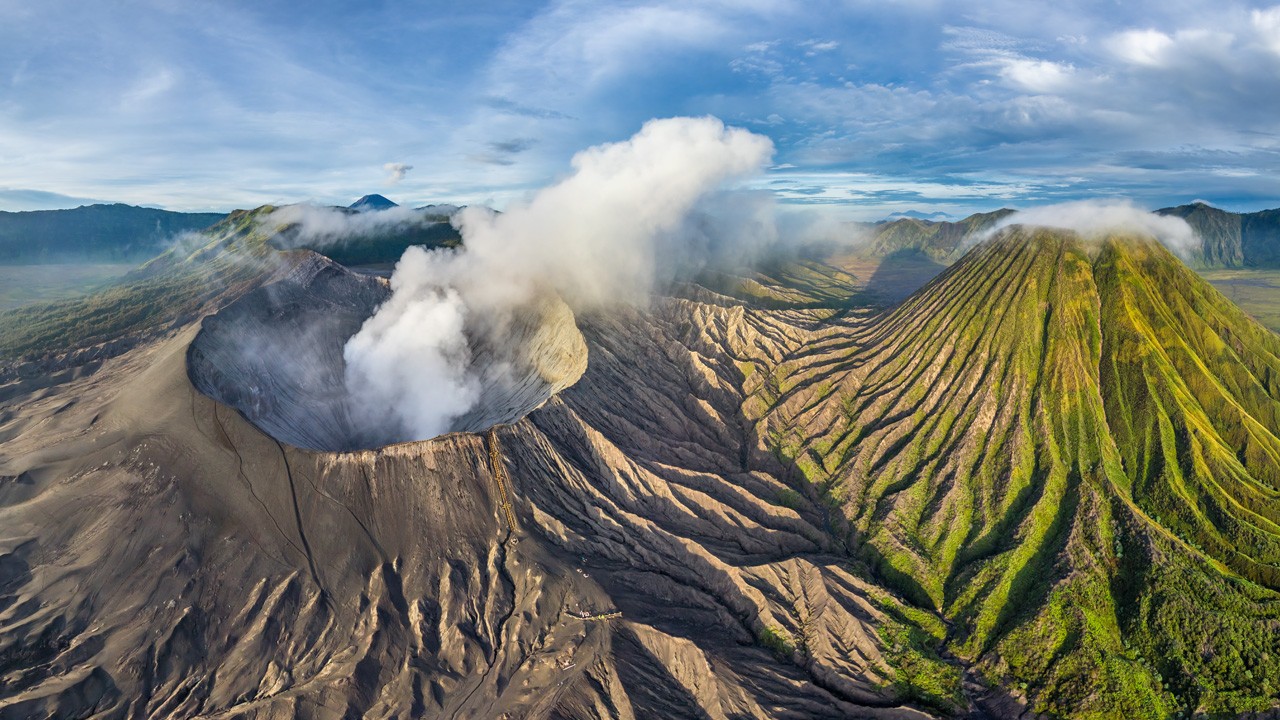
{"points": [[276, 355]]}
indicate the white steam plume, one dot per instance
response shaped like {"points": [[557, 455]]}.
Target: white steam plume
{"points": [[1095, 218], [411, 358], [593, 235], [738, 229], [594, 238], [396, 172]]}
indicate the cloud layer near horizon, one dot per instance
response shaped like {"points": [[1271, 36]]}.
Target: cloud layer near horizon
{"points": [[873, 107]]}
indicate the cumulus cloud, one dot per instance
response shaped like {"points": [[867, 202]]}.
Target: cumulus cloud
{"points": [[1142, 47], [1038, 76], [813, 47], [1266, 23], [396, 172], [595, 238], [1098, 218]]}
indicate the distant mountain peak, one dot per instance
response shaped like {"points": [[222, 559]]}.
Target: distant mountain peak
{"points": [[440, 209], [372, 202], [937, 216]]}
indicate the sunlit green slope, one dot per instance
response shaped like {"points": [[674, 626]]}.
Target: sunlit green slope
{"points": [[941, 241], [1068, 450]]}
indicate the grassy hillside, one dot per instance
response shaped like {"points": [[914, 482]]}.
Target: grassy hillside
{"points": [[1232, 240], [1067, 451], [93, 233], [938, 241], [171, 286]]}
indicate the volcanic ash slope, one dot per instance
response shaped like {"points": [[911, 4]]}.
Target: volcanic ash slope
{"points": [[163, 557], [1045, 483]]}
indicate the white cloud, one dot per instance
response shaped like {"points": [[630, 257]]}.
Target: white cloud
{"points": [[152, 86], [607, 66], [595, 238], [1142, 47], [1267, 25], [1100, 218], [576, 45], [1038, 76], [813, 47], [982, 41], [871, 196], [396, 172], [762, 46], [256, 108], [318, 226]]}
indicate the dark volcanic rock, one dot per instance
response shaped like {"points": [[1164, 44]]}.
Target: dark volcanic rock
{"points": [[276, 353], [372, 202]]}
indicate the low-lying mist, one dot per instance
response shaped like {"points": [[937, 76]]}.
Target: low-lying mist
{"points": [[315, 226], [1097, 218]]}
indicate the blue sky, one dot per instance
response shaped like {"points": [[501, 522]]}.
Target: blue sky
{"points": [[873, 106]]}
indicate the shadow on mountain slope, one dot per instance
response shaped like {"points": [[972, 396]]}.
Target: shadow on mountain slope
{"points": [[901, 273]]}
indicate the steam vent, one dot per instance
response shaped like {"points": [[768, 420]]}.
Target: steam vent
{"points": [[276, 355]]}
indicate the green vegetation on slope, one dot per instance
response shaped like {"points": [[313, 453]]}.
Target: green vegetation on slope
{"points": [[1067, 451], [939, 241], [172, 286], [93, 233], [1232, 239]]}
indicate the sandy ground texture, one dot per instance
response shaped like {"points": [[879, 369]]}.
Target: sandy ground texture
{"points": [[162, 557]]}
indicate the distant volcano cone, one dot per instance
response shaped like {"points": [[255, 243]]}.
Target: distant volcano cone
{"points": [[372, 202]]}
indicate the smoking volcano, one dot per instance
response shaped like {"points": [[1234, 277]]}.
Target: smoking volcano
{"points": [[276, 355], [1046, 483], [461, 339]]}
